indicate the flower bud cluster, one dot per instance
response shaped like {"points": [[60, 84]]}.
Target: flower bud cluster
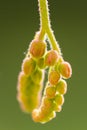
{"points": [[53, 97], [29, 85], [52, 102], [31, 78]]}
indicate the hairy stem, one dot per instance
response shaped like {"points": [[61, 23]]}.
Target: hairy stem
{"points": [[44, 14], [45, 24], [53, 41]]}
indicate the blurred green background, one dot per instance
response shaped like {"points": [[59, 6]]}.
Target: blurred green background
{"points": [[19, 20]]}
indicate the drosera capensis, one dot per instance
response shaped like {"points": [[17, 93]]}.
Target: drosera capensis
{"points": [[43, 106]]}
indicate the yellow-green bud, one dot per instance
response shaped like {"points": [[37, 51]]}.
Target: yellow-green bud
{"points": [[27, 104], [51, 57], [47, 116], [61, 87], [54, 77], [52, 115], [24, 84], [21, 81], [47, 102], [36, 115], [50, 92], [28, 93], [57, 107], [28, 66], [37, 76], [65, 69], [59, 99], [37, 48], [42, 115], [41, 63]]}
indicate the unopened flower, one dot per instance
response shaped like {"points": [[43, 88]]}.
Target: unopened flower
{"points": [[65, 69], [61, 87], [37, 48], [51, 58], [54, 77]]}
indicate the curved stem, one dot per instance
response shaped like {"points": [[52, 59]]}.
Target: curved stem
{"points": [[45, 24], [53, 41]]}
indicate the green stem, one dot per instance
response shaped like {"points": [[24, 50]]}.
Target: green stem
{"points": [[44, 15], [53, 41], [45, 24]]}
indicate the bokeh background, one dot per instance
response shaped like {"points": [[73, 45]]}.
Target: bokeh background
{"points": [[19, 20]]}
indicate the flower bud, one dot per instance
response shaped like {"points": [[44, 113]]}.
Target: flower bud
{"points": [[47, 116], [52, 115], [24, 84], [65, 70], [47, 102], [21, 81], [42, 114], [28, 66], [36, 116], [61, 87], [57, 107], [37, 76], [59, 99], [28, 104], [46, 110], [50, 92], [39, 116], [37, 48], [51, 58], [28, 93], [41, 63], [54, 77]]}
